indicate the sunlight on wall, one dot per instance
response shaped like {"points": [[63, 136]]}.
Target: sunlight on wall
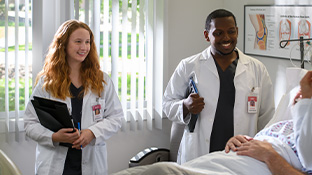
{"points": [[280, 84]]}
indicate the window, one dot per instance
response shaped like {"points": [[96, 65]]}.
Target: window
{"points": [[125, 34], [15, 62], [121, 45], [127, 30]]}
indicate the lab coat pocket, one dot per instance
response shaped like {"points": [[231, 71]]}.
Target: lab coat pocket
{"points": [[100, 161], [191, 145]]}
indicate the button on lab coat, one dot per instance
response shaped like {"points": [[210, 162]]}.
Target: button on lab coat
{"points": [[250, 73], [50, 157]]}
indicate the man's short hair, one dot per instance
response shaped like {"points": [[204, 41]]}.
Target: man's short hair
{"points": [[219, 13]]}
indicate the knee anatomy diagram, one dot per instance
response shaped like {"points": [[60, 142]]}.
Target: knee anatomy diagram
{"points": [[268, 28], [258, 22], [304, 28], [284, 30]]}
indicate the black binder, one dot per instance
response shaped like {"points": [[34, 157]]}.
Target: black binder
{"points": [[192, 89], [53, 115]]}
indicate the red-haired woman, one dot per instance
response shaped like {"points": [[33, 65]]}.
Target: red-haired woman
{"points": [[71, 74]]}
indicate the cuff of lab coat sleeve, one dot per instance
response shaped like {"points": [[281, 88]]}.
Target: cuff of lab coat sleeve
{"points": [[181, 118], [53, 144], [187, 119], [96, 135]]}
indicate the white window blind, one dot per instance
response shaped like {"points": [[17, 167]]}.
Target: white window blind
{"points": [[124, 35], [15, 64]]}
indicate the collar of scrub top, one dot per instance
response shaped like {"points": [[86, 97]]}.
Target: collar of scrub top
{"points": [[206, 54]]}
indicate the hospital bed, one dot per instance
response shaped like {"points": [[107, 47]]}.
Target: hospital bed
{"points": [[153, 154], [165, 158]]}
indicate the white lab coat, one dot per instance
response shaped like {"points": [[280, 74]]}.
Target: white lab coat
{"points": [[250, 73], [50, 157], [302, 115]]}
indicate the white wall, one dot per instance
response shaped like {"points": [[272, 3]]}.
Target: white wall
{"points": [[276, 67], [185, 24], [22, 153], [123, 146]]}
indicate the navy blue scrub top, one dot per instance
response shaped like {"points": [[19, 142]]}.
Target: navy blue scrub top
{"points": [[73, 158], [223, 127]]}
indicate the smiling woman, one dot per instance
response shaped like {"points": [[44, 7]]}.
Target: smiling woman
{"points": [[78, 46], [71, 74]]}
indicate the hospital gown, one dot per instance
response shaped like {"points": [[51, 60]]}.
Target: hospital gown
{"points": [[283, 131]]}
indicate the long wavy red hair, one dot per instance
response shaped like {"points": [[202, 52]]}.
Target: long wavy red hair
{"points": [[56, 69]]}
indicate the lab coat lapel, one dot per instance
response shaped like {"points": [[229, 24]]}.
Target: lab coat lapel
{"points": [[85, 100], [69, 106], [86, 97], [241, 65], [210, 65]]}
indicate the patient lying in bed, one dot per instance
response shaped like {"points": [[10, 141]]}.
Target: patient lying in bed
{"points": [[282, 148]]}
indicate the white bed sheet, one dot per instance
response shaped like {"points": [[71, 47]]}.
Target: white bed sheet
{"points": [[216, 163]]}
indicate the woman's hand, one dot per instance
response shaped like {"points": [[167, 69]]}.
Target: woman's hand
{"points": [[85, 138], [65, 135], [235, 142]]}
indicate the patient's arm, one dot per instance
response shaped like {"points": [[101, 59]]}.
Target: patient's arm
{"points": [[303, 122], [263, 151], [306, 85], [235, 142]]}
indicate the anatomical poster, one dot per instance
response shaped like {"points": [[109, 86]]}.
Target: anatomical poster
{"points": [[267, 26]]}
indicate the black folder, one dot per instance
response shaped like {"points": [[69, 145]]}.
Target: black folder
{"points": [[52, 114], [192, 89]]}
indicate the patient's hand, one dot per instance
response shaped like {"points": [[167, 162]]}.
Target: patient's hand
{"points": [[306, 85], [260, 150], [236, 141], [263, 151], [297, 97]]}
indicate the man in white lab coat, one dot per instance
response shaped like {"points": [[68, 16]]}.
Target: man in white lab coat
{"points": [[228, 83]]}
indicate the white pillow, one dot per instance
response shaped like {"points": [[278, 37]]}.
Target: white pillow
{"points": [[283, 110]]}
